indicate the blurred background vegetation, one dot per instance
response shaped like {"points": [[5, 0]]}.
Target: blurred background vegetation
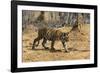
{"points": [[53, 19]]}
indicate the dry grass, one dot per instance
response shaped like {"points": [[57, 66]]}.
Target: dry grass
{"points": [[79, 46]]}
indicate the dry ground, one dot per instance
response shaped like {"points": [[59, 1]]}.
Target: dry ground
{"points": [[79, 46]]}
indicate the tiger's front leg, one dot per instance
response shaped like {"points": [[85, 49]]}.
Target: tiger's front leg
{"points": [[65, 46]]}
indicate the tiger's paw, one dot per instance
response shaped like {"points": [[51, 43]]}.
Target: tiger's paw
{"points": [[53, 50], [67, 51], [46, 48]]}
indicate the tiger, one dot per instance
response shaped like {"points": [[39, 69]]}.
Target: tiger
{"points": [[52, 35]]}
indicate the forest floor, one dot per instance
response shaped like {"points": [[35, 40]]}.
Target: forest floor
{"points": [[79, 46]]}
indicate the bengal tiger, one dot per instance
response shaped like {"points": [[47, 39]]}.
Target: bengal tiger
{"points": [[51, 35]]}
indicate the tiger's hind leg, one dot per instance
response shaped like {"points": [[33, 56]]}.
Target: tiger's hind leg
{"points": [[52, 46], [35, 41], [43, 44]]}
